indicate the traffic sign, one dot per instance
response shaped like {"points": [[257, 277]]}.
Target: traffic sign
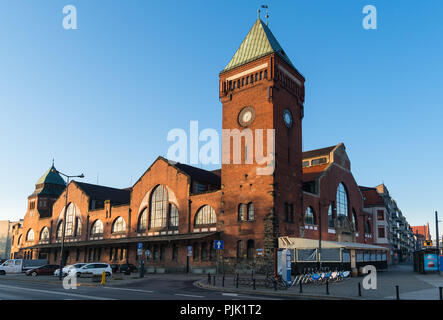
{"points": [[147, 253], [140, 245], [189, 251], [218, 244]]}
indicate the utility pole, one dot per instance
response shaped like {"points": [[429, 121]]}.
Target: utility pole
{"points": [[438, 245]]}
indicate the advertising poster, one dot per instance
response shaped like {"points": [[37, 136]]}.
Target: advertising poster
{"points": [[430, 262]]}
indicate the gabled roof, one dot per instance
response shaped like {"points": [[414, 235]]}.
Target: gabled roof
{"points": [[312, 173], [96, 192], [371, 197], [317, 152], [258, 43], [51, 176], [200, 175]]}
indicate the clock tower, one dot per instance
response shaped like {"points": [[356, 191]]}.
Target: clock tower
{"points": [[262, 95]]}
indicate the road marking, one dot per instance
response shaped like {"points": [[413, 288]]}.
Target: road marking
{"points": [[55, 292], [187, 295], [136, 290], [257, 297], [230, 294]]}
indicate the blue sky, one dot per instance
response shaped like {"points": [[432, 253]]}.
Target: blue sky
{"points": [[101, 99]]}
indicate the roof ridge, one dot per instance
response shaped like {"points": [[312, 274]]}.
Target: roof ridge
{"points": [[259, 42]]}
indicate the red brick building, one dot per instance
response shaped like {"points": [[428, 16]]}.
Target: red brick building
{"points": [[421, 234], [174, 207]]}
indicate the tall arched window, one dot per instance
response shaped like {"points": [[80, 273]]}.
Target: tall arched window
{"points": [[241, 212], [59, 230], [70, 220], [97, 228], [309, 216], [342, 201], [119, 225], [173, 216], [368, 227], [330, 217], [205, 215], [19, 242], [78, 231], [30, 235], [354, 219], [159, 208], [142, 220], [44, 234], [250, 211]]}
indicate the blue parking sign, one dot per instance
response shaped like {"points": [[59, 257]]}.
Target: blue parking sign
{"points": [[218, 244], [140, 245]]}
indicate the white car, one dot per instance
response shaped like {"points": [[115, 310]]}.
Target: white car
{"points": [[67, 268], [95, 268]]}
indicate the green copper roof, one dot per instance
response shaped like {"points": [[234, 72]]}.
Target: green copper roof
{"points": [[51, 177], [259, 42]]}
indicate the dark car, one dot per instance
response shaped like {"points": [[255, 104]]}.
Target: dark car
{"points": [[47, 269], [128, 267], [114, 268]]}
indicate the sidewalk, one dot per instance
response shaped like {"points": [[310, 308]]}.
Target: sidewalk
{"points": [[412, 286]]}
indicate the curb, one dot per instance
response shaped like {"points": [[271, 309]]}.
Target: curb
{"points": [[201, 285]]}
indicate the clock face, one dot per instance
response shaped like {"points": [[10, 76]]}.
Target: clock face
{"points": [[287, 117], [246, 116]]}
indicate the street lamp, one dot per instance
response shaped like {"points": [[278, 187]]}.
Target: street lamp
{"points": [[64, 217]]}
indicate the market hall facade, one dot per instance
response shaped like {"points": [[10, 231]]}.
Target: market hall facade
{"points": [[177, 211]]}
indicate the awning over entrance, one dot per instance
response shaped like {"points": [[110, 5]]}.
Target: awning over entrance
{"points": [[187, 236], [302, 243]]}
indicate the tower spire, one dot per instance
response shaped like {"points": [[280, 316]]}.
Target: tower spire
{"points": [[265, 6]]}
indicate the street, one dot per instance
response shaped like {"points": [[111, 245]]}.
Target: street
{"points": [[151, 289]]}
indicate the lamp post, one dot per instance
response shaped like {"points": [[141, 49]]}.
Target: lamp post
{"points": [[437, 238], [64, 218]]}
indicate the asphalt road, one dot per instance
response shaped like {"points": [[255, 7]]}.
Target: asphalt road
{"points": [[154, 289]]}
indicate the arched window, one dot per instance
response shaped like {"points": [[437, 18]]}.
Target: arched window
{"points": [[119, 225], [173, 216], [239, 249], [159, 208], [241, 212], [368, 227], [44, 234], [205, 215], [342, 201], [251, 248], [330, 217], [97, 228], [30, 235], [70, 220], [142, 220], [354, 219], [19, 240], [250, 211], [78, 231], [309, 216], [59, 230]]}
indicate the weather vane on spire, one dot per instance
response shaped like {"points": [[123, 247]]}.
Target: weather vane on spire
{"points": [[267, 15]]}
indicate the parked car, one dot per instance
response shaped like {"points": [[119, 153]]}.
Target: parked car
{"points": [[114, 268], [43, 270], [20, 265], [67, 268], [95, 268], [128, 267]]}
